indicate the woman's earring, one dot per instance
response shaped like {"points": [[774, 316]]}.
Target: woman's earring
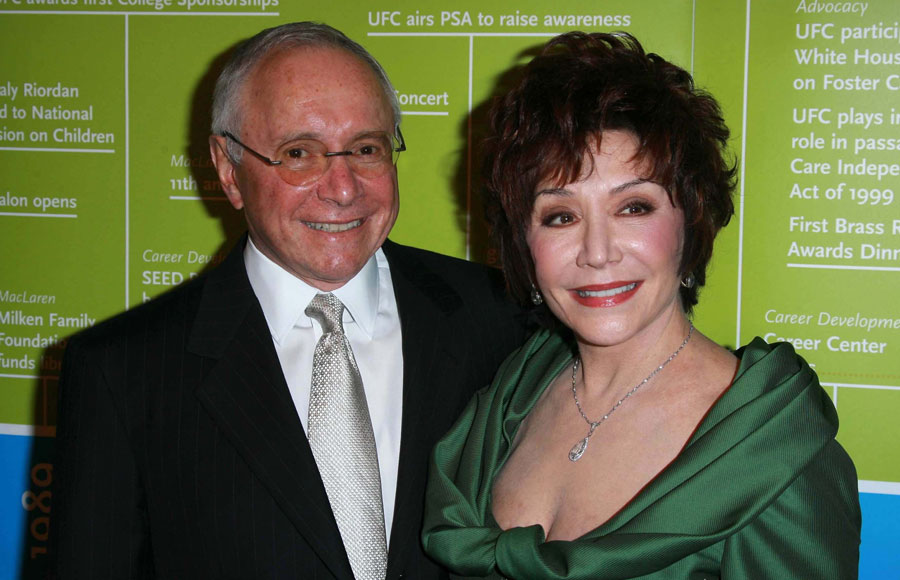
{"points": [[536, 297], [688, 281]]}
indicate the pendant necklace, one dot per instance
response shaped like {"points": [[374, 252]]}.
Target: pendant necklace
{"points": [[578, 450]]}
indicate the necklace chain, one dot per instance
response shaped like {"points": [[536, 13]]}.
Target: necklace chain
{"points": [[580, 447]]}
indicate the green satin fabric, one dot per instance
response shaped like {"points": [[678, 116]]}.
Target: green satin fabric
{"points": [[762, 490]]}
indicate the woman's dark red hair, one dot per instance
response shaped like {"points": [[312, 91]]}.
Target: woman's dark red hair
{"points": [[578, 87]]}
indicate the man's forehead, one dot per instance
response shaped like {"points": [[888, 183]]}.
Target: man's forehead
{"points": [[295, 75], [314, 64]]}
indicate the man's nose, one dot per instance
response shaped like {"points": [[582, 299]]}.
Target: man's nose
{"points": [[598, 245], [338, 183]]}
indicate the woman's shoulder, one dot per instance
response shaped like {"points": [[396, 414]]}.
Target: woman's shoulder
{"points": [[526, 372], [758, 350], [766, 367], [541, 348], [773, 393]]}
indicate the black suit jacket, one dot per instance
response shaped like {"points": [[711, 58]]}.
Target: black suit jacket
{"points": [[180, 452]]}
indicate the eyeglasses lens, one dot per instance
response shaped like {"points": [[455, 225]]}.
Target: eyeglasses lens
{"points": [[305, 161]]}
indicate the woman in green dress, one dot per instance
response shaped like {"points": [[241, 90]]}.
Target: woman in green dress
{"points": [[620, 442]]}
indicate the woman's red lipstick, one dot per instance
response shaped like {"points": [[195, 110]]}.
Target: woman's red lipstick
{"points": [[606, 295]]}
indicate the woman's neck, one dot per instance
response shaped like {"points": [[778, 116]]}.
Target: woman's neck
{"points": [[610, 369]]}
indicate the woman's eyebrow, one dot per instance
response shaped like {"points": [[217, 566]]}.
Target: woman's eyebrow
{"points": [[627, 185], [555, 191]]}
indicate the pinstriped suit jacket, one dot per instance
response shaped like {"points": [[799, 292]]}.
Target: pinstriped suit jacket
{"points": [[180, 453]]}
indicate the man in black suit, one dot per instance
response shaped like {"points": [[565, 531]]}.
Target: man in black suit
{"points": [[182, 438]]}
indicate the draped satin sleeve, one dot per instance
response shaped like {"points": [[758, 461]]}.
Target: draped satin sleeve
{"points": [[762, 489]]}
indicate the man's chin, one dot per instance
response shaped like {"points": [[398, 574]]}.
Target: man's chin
{"points": [[328, 277]]}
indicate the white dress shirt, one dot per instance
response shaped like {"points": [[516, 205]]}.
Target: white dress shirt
{"points": [[371, 324]]}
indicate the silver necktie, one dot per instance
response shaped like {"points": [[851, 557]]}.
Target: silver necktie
{"points": [[342, 441]]}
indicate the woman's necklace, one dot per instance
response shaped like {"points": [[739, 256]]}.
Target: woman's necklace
{"points": [[579, 448]]}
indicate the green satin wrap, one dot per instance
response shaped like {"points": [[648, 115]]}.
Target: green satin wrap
{"points": [[762, 490]]}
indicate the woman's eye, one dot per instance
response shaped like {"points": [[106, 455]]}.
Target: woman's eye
{"points": [[558, 219], [637, 208]]}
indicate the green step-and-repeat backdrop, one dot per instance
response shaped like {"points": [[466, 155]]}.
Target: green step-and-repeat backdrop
{"points": [[108, 197]]}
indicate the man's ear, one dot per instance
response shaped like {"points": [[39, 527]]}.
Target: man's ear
{"points": [[226, 169]]}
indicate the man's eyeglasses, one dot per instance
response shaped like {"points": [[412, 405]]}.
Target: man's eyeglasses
{"points": [[304, 161]]}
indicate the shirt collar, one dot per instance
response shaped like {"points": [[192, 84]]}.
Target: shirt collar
{"points": [[284, 297]]}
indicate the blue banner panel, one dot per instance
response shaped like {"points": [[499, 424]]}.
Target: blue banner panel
{"points": [[879, 557], [24, 505]]}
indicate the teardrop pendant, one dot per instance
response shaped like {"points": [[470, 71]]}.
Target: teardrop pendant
{"points": [[578, 450]]}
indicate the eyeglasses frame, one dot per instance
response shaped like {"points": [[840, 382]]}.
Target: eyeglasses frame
{"points": [[272, 163]]}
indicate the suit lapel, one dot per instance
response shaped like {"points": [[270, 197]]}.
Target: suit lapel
{"points": [[246, 395], [430, 353]]}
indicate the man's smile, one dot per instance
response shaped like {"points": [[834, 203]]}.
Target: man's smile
{"points": [[334, 228]]}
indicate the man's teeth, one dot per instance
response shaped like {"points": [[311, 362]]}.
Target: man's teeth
{"points": [[334, 228], [605, 293]]}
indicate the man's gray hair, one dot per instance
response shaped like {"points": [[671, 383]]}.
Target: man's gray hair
{"points": [[226, 109]]}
